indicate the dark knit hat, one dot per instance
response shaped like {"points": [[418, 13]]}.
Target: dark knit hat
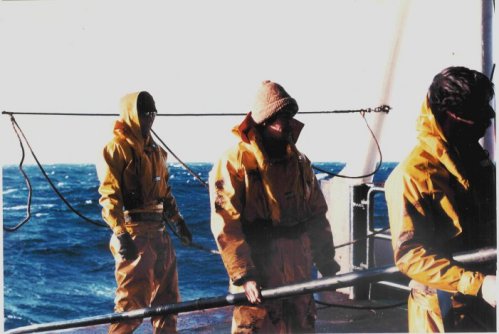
{"points": [[270, 99]]}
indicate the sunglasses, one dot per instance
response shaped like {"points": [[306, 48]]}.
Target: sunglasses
{"points": [[151, 113], [484, 116], [279, 115]]}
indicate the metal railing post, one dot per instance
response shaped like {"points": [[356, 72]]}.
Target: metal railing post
{"points": [[358, 219]]}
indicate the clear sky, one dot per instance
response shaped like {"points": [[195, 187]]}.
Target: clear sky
{"points": [[210, 57]]}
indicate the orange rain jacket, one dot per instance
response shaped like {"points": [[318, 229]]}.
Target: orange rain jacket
{"points": [[136, 177], [268, 219], [437, 208]]}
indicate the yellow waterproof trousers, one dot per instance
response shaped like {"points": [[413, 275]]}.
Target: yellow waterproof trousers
{"points": [[424, 313], [149, 280]]}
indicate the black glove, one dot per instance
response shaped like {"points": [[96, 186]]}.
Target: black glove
{"points": [[182, 231], [127, 250], [329, 268]]}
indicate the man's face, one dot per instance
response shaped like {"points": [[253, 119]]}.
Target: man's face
{"points": [[470, 128], [147, 113], [277, 128]]}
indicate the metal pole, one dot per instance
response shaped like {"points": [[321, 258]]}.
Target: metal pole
{"points": [[329, 283], [488, 142], [359, 232]]}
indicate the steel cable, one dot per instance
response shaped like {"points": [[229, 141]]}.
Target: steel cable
{"points": [[16, 129], [26, 179], [180, 161], [50, 181], [378, 166], [382, 108], [360, 307]]}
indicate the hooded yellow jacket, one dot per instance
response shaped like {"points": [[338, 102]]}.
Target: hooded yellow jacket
{"points": [[437, 207], [135, 175], [246, 193]]}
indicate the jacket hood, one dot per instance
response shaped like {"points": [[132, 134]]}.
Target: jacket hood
{"points": [[432, 139], [128, 125], [247, 133], [242, 130]]}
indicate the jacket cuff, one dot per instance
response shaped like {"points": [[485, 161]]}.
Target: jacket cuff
{"points": [[174, 217], [119, 229], [470, 283], [328, 268], [242, 278]]}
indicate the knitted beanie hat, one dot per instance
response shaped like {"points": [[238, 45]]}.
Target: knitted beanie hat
{"points": [[270, 99]]}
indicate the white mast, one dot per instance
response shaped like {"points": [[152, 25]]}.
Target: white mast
{"points": [[370, 152]]}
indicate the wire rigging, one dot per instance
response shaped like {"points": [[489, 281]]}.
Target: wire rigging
{"points": [[26, 179], [382, 108], [14, 123], [354, 241], [371, 306], [180, 161], [17, 129], [378, 165], [194, 245]]}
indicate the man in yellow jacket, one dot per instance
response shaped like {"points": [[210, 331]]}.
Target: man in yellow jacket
{"points": [[441, 200], [268, 216], [136, 201]]}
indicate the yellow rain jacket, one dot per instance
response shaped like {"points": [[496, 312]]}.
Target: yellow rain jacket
{"points": [[135, 196], [439, 204], [268, 219], [136, 175]]}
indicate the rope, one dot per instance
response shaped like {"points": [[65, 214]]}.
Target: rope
{"points": [[26, 179], [361, 239], [378, 166], [17, 128], [50, 181], [180, 161], [382, 108], [192, 244], [361, 307]]}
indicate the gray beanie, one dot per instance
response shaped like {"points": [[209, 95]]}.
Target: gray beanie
{"points": [[270, 99]]}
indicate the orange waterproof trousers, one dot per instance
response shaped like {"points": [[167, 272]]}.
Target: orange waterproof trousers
{"points": [[283, 261], [149, 280]]}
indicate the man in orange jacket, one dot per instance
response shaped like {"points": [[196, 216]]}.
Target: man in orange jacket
{"points": [[268, 216], [136, 201], [441, 200]]}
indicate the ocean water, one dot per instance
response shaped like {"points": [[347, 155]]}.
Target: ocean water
{"points": [[58, 267]]}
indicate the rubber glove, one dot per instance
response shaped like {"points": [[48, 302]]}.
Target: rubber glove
{"points": [[182, 231], [329, 268], [128, 250]]}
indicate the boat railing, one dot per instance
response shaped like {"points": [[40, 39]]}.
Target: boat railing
{"points": [[372, 240], [379, 245], [326, 283]]}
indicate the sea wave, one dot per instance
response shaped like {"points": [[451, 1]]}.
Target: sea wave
{"points": [[60, 257], [15, 207]]}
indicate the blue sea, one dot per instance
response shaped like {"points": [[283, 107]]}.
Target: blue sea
{"points": [[58, 267]]}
